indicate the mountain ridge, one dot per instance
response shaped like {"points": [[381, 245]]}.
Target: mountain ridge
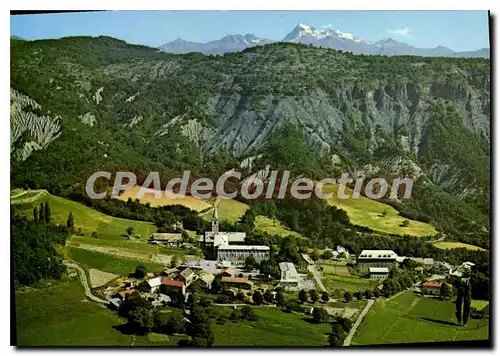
{"points": [[328, 38]]}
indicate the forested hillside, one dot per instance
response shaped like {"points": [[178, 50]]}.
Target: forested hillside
{"points": [[128, 107]]}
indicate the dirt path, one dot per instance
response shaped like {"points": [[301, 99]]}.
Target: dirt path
{"points": [[83, 279], [349, 337], [317, 276], [27, 200]]}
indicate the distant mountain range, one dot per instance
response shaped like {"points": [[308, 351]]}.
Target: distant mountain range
{"points": [[322, 38]]}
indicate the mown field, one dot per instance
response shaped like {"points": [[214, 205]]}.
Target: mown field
{"points": [[187, 201], [273, 328], [349, 284], [369, 213], [109, 263], [62, 316], [452, 244], [273, 227], [89, 220], [412, 318], [335, 267]]}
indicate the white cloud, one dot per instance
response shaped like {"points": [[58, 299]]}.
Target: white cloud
{"points": [[405, 32]]}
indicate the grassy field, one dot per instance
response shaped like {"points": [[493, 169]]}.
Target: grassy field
{"points": [[62, 316], [336, 268], [187, 201], [273, 227], [411, 318], [350, 284], [273, 328], [479, 304], [452, 244], [368, 212], [88, 219], [110, 263]]}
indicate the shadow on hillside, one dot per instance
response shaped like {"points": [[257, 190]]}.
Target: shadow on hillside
{"points": [[128, 329], [440, 321]]}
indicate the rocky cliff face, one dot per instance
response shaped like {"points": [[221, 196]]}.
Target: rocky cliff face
{"points": [[397, 115]]}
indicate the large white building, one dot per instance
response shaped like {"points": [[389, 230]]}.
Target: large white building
{"points": [[376, 258], [289, 276], [237, 254]]}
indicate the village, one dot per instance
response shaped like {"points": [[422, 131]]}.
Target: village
{"points": [[231, 277]]}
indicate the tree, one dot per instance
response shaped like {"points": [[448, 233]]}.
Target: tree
{"points": [[280, 298], [94, 235], [303, 296], [47, 213], [35, 214], [257, 298], [240, 296], [130, 230], [70, 223], [337, 336], [376, 293], [268, 296], [463, 300], [368, 294], [247, 313], [144, 286], [313, 295], [405, 223], [170, 323], [141, 318], [325, 297], [41, 214], [315, 255], [174, 262], [327, 254], [347, 296], [200, 328], [320, 315], [140, 271], [358, 295], [250, 264]]}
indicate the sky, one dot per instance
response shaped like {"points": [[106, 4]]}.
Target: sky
{"points": [[458, 30]]}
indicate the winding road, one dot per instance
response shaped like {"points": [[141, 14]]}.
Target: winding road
{"points": [[83, 279]]}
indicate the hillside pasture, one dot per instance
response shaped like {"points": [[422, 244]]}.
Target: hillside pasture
{"points": [[274, 227], [370, 213], [111, 263], [173, 199], [87, 219], [347, 283], [61, 315], [444, 245], [273, 328], [409, 318]]}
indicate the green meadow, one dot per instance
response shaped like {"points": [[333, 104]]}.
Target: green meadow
{"points": [[376, 215], [409, 318], [89, 220], [273, 328], [110, 263], [62, 316]]}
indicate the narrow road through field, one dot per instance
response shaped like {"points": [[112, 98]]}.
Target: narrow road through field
{"points": [[27, 200], [317, 276], [349, 337], [83, 279]]}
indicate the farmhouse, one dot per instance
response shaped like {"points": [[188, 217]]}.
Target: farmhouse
{"points": [[378, 272], [376, 258], [154, 284], [166, 239], [237, 254], [237, 282], [172, 286], [432, 287], [289, 276], [187, 276]]}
